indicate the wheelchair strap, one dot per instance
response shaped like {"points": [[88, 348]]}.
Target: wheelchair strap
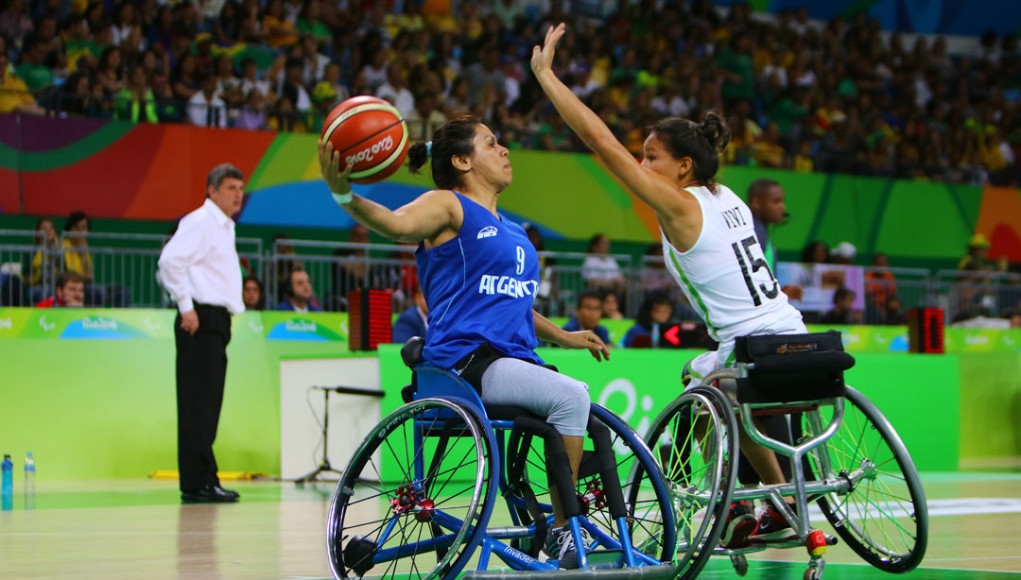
{"points": [[441, 450], [520, 442], [600, 435]]}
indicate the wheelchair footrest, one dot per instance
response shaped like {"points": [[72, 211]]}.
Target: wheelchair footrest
{"points": [[661, 571]]}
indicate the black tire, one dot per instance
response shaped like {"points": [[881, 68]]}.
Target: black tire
{"points": [[884, 517], [418, 512], [701, 480]]}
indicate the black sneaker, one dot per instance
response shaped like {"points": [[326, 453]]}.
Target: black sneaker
{"points": [[773, 527], [560, 546], [740, 525]]}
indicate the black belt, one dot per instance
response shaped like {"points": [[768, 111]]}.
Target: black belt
{"points": [[211, 307]]}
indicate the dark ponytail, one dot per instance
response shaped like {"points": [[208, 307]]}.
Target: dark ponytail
{"points": [[452, 139], [418, 155], [703, 143]]}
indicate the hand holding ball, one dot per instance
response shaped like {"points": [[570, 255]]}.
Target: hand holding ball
{"points": [[370, 134]]}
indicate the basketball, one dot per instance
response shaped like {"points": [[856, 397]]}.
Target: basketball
{"points": [[370, 133]]}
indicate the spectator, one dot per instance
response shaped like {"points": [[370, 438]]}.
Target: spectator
{"points": [[293, 85], [135, 102], [46, 260], [351, 271], [588, 311], [767, 202], [1014, 316], [486, 72], [654, 275], [205, 107], [331, 85], [69, 293], [600, 270], [14, 94], [285, 259], [78, 258], [280, 32], [843, 254], [653, 316], [817, 252], [33, 68], [880, 284], [424, 118], [977, 258], [611, 306], [250, 80], [893, 311], [253, 113], [298, 294], [842, 311], [396, 91], [414, 321], [252, 294]]}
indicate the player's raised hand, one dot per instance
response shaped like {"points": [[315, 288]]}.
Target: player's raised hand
{"points": [[542, 57], [329, 165]]}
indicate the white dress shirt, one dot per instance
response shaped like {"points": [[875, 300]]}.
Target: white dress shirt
{"points": [[200, 262]]}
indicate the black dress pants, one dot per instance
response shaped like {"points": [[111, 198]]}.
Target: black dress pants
{"points": [[201, 372]]}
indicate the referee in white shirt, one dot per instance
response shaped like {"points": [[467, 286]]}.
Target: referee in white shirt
{"points": [[200, 269]]}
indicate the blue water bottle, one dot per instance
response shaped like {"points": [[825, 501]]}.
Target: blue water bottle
{"points": [[8, 483]]}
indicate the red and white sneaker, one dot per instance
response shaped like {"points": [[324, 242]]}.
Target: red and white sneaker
{"points": [[740, 525], [773, 527]]}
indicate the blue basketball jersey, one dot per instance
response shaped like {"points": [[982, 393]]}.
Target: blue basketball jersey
{"points": [[480, 287]]}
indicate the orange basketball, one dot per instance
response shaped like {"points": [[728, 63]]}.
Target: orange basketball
{"points": [[371, 134]]}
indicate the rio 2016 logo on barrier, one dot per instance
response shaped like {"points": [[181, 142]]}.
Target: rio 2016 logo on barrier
{"points": [[621, 397]]}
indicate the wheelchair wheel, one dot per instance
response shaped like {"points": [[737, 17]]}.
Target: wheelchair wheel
{"points": [[416, 496], [649, 511], [696, 438], [883, 517]]}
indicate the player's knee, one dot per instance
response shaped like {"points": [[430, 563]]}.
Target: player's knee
{"points": [[571, 410]]}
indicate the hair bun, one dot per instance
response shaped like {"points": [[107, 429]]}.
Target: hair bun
{"points": [[715, 132]]}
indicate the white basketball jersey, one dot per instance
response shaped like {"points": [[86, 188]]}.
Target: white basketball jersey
{"points": [[725, 276]]}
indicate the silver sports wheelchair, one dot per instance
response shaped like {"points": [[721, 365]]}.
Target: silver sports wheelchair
{"points": [[419, 496], [845, 458]]}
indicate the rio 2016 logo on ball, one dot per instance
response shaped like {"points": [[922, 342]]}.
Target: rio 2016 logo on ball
{"points": [[369, 133]]}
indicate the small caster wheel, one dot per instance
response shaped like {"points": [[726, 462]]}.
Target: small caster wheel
{"points": [[740, 564], [812, 574]]}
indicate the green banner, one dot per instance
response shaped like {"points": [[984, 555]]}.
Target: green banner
{"points": [[145, 324], [637, 384]]}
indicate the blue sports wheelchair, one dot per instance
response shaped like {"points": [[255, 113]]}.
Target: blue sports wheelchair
{"points": [[419, 496]]}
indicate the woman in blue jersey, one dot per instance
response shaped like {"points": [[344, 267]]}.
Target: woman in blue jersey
{"points": [[480, 275], [709, 246]]}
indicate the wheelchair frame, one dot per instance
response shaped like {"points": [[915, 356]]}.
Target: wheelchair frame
{"points": [[445, 406], [833, 487]]}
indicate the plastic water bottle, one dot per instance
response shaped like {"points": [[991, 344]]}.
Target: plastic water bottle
{"points": [[29, 481], [8, 483]]}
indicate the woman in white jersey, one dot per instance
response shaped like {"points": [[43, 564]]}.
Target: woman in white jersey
{"points": [[709, 245]]}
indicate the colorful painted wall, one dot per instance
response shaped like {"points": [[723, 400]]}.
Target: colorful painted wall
{"points": [[157, 172]]}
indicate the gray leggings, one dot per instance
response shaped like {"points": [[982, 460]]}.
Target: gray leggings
{"points": [[562, 400]]}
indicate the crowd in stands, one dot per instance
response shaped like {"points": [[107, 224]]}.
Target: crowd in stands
{"points": [[840, 96]]}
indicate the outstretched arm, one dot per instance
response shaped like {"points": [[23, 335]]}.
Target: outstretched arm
{"points": [[546, 330], [653, 189], [425, 218]]}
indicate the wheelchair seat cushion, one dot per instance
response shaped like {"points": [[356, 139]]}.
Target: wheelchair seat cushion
{"points": [[791, 367]]}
